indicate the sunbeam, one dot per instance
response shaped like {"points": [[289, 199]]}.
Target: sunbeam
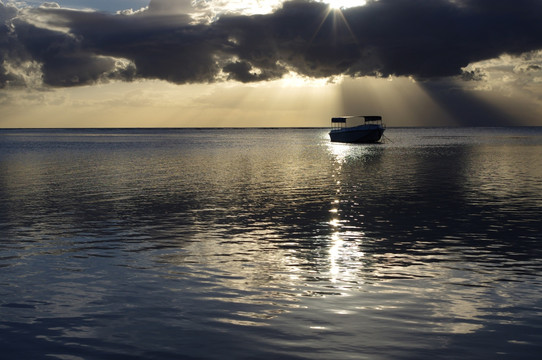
{"points": [[401, 101], [334, 10]]}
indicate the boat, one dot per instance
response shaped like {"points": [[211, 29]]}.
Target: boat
{"points": [[370, 131]]}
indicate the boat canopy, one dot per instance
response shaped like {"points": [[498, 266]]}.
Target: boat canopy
{"points": [[342, 119]]}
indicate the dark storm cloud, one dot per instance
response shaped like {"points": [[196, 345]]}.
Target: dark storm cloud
{"points": [[419, 38]]}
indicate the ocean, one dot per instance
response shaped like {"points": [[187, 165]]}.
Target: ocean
{"points": [[270, 244]]}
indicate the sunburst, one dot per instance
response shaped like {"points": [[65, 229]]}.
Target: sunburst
{"points": [[335, 9]]}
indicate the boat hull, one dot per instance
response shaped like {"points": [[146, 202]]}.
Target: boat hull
{"points": [[357, 134]]}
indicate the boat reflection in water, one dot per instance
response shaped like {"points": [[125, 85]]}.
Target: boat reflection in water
{"points": [[369, 132]]}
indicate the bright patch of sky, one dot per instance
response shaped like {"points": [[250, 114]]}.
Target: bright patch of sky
{"points": [[344, 4], [101, 5], [215, 6], [509, 75]]}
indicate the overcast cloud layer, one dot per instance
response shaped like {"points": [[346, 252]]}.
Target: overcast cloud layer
{"points": [[420, 38]]}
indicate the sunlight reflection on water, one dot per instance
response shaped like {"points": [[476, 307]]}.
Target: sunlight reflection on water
{"points": [[270, 243]]}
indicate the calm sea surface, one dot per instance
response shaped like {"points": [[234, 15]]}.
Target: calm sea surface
{"points": [[270, 244]]}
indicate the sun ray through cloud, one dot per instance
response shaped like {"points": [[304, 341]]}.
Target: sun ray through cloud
{"points": [[338, 19], [339, 13], [60, 47]]}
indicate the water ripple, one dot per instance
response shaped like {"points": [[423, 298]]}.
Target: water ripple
{"points": [[270, 244]]}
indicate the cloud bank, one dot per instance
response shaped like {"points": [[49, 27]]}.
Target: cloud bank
{"points": [[423, 39]]}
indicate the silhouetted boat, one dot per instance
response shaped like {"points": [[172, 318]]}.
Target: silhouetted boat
{"points": [[369, 132]]}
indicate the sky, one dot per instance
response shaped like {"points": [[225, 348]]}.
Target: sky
{"points": [[269, 63]]}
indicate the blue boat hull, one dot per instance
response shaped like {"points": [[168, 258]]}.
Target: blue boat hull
{"points": [[357, 134]]}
